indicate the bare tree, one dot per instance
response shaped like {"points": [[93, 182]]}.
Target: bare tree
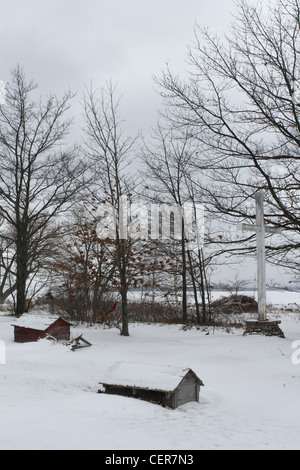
{"points": [[241, 103], [167, 164], [39, 177], [109, 152], [169, 167]]}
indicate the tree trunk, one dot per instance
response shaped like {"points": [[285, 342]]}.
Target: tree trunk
{"points": [[125, 326], [184, 277], [122, 264], [194, 289], [21, 279], [203, 285]]}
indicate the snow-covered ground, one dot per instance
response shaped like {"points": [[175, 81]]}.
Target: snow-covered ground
{"points": [[49, 399]]}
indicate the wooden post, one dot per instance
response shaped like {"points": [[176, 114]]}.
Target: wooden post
{"points": [[261, 258], [262, 325]]}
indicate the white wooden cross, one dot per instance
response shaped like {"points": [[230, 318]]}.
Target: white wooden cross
{"points": [[261, 229]]}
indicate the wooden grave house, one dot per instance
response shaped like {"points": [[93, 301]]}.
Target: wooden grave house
{"points": [[30, 328], [167, 386]]}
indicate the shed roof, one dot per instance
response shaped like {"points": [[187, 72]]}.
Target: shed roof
{"points": [[36, 322], [146, 376]]}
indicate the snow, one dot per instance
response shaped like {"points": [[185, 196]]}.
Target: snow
{"points": [[49, 399], [146, 376], [35, 322]]}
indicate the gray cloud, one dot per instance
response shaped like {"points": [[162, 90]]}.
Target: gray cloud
{"points": [[67, 43]]}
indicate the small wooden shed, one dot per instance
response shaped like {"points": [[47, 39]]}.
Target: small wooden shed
{"points": [[30, 328], [167, 386]]}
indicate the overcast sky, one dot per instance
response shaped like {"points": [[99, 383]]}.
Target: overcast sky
{"points": [[68, 43], [65, 44]]}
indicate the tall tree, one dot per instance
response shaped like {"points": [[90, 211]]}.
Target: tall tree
{"points": [[241, 102], [39, 176], [167, 164], [110, 152], [168, 159]]}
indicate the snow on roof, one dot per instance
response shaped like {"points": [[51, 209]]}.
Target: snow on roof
{"points": [[35, 322], [145, 376]]}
